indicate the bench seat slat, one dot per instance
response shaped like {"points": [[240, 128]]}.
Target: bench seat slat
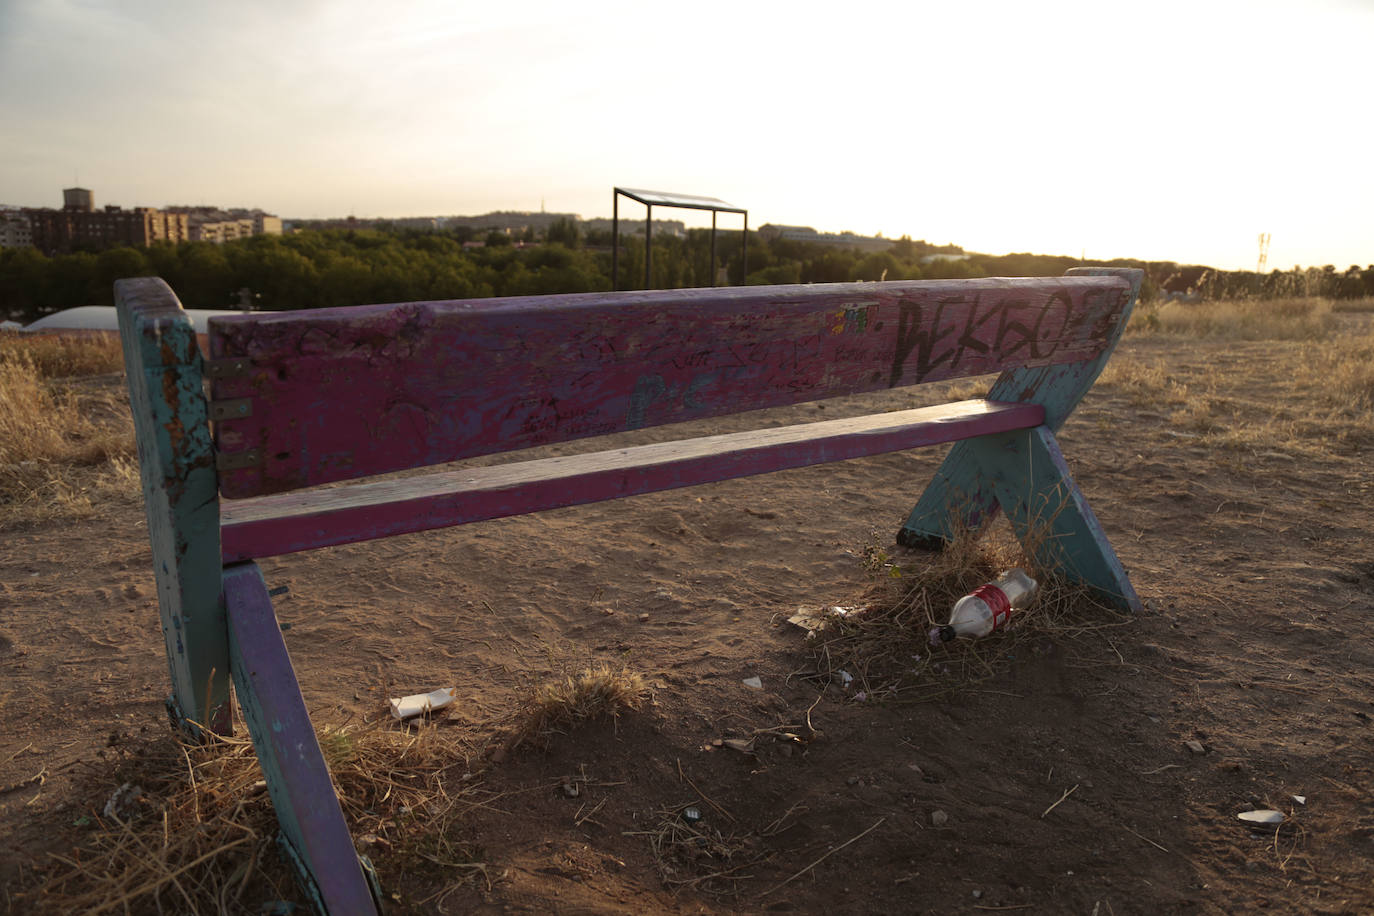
{"points": [[290, 522]]}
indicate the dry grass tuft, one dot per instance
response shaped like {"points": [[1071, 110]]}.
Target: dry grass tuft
{"points": [[1344, 368], [199, 835], [65, 355], [561, 703], [1145, 385], [1354, 305], [1251, 319], [884, 651], [64, 445]]}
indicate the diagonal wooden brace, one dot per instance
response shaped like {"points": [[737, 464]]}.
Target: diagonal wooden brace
{"points": [[1025, 473], [312, 823], [962, 494]]}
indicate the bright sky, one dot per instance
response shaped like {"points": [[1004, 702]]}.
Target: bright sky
{"points": [[1164, 130]]}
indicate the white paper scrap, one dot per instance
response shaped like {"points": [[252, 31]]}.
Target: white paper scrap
{"points": [[419, 703], [1265, 817]]}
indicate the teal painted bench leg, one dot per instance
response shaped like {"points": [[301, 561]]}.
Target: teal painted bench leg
{"points": [[954, 499], [1049, 514], [1024, 474], [176, 459], [963, 492], [313, 829]]}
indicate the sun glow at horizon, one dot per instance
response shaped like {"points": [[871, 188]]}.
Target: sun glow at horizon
{"points": [[1169, 132]]}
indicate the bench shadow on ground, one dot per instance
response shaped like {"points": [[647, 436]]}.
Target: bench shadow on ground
{"points": [[1045, 786]]}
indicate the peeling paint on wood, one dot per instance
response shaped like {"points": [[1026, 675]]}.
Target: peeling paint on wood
{"points": [[298, 780], [958, 496], [177, 465], [344, 393]]}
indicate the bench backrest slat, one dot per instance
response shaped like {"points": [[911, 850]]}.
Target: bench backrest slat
{"points": [[334, 394]]}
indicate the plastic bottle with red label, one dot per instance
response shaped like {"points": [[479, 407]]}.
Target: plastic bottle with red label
{"points": [[986, 608]]}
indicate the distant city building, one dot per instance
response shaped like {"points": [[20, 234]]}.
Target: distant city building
{"points": [[77, 227], [15, 231], [834, 239], [212, 224], [221, 231], [78, 199], [266, 223]]}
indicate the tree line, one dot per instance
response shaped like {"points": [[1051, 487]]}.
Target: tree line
{"points": [[331, 267]]}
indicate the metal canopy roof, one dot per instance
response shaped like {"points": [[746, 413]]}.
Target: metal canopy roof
{"points": [[686, 201], [650, 199]]}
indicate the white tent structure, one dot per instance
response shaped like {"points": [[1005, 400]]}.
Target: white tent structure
{"points": [[104, 318]]}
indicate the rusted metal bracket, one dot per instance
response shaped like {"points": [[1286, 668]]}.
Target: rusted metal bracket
{"points": [[231, 409], [234, 461], [233, 367]]}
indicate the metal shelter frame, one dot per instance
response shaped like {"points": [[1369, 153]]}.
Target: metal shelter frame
{"points": [[651, 199]]}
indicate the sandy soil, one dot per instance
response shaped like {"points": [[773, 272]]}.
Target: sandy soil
{"points": [[1256, 561]]}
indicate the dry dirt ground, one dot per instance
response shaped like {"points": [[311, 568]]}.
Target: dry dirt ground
{"points": [[1062, 782]]}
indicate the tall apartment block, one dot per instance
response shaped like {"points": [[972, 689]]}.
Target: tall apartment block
{"points": [[80, 226]]}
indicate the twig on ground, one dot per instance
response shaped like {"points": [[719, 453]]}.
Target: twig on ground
{"points": [[1167, 766], [704, 797], [38, 778], [1067, 793], [847, 842], [1148, 840]]}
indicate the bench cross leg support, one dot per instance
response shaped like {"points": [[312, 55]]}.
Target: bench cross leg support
{"points": [[313, 829], [1023, 473]]}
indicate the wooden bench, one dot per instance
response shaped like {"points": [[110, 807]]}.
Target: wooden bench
{"points": [[302, 399]]}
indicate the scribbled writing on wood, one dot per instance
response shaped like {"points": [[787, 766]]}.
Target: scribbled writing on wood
{"points": [[341, 394]]}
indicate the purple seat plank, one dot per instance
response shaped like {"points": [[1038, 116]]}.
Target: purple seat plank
{"points": [[286, 523], [335, 394]]}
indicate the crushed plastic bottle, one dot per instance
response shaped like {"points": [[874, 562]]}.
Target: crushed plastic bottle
{"points": [[986, 608]]}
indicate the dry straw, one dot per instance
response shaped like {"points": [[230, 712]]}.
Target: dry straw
{"points": [[66, 437], [558, 704], [884, 652], [698, 855], [198, 835], [1250, 319]]}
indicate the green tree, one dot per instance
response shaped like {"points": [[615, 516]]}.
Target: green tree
{"points": [[564, 231], [116, 264]]}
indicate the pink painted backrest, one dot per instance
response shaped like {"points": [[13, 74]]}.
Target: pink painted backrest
{"points": [[309, 397]]}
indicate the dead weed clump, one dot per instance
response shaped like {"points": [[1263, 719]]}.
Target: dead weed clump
{"points": [[883, 650], [691, 852], [560, 703], [63, 445], [191, 827]]}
